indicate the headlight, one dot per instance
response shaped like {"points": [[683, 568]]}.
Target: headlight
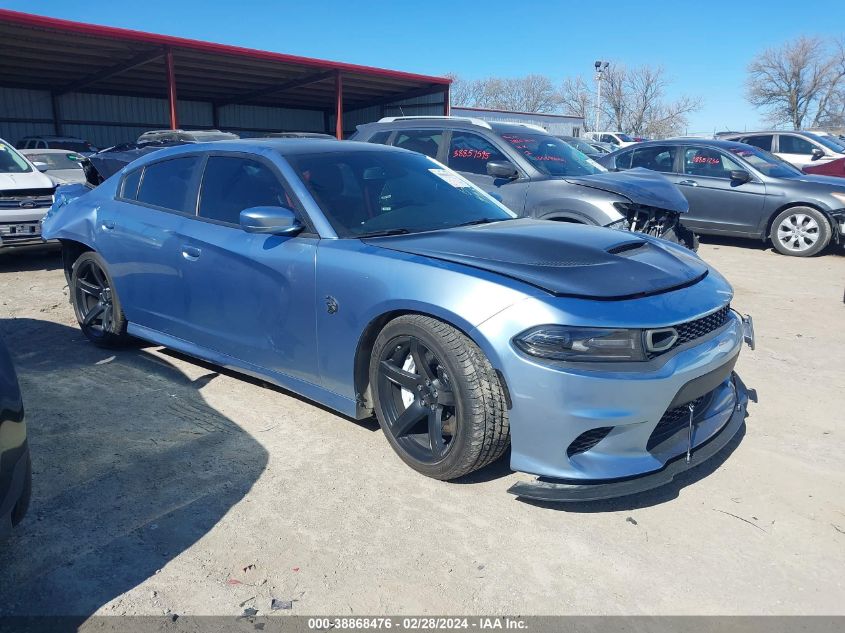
{"points": [[583, 344], [838, 196]]}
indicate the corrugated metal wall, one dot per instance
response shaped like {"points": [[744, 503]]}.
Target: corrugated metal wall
{"points": [[418, 106], [107, 120]]}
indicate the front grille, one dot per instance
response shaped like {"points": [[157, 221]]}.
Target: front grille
{"points": [[692, 330], [587, 440], [26, 199], [22, 230], [673, 421]]}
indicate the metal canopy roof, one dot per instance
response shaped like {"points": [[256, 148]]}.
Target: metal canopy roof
{"points": [[64, 56]]}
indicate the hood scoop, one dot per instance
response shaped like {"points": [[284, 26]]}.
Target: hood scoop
{"points": [[563, 259]]}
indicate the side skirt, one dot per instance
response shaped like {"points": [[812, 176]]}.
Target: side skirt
{"points": [[318, 394]]}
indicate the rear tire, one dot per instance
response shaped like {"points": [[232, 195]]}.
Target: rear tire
{"points": [[96, 303], [800, 232], [437, 398]]}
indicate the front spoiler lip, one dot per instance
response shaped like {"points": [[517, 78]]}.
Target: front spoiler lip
{"points": [[566, 492]]}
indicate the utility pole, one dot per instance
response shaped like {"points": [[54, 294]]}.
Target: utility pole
{"points": [[601, 66]]}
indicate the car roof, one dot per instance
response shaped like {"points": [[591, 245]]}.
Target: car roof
{"points": [[710, 142], [51, 150], [451, 122], [284, 146]]}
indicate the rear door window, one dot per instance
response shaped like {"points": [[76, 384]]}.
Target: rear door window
{"points": [[170, 184], [470, 153], [655, 157], [231, 184], [623, 160], [795, 145], [763, 141], [426, 142]]}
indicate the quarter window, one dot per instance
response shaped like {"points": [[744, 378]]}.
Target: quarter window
{"points": [[380, 137], [426, 142], [704, 161], [470, 153], [623, 160], [795, 145], [129, 189], [231, 184], [169, 184]]}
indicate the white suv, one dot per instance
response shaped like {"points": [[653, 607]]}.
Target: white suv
{"points": [[25, 197], [618, 139]]}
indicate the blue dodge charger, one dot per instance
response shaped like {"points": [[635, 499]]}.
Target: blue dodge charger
{"points": [[374, 280]]}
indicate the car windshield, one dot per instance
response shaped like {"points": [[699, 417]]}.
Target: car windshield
{"points": [[625, 138], [363, 193], [829, 142], [767, 163], [57, 160], [11, 162], [553, 156]]}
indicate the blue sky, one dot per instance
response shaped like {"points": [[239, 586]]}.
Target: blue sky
{"points": [[704, 46]]}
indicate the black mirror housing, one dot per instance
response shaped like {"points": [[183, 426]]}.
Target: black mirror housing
{"points": [[740, 176], [502, 169], [270, 220], [818, 153]]}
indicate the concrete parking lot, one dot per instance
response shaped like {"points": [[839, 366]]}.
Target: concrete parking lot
{"points": [[164, 485]]}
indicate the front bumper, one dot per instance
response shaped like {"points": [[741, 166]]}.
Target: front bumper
{"points": [[563, 491]]}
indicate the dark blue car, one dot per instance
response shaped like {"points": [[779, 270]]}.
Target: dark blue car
{"points": [[376, 281]]}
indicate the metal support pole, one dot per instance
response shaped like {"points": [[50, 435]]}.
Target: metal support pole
{"points": [[338, 105], [447, 106], [57, 115], [598, 101], [171, 89]]}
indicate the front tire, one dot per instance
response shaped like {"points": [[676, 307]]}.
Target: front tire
{"points": [[96, 303], [437, 398], [679, 234], [800, 232]]}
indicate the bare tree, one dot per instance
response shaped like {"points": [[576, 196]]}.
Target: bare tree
{"points": [[533, 93], [577, 99], [633, 101], [799, 82]]}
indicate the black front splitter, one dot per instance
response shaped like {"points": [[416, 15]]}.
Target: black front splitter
{"points": [[568, 491]]}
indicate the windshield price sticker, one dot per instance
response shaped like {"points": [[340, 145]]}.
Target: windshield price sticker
{"points": [[451, 177]]}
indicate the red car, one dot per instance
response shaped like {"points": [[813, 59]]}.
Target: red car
{"points": [[831, 168]]}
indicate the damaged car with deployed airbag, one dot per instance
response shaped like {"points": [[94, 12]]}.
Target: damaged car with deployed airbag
{"points": [[375, 281]]}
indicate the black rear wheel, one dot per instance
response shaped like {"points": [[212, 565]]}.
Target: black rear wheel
{"points": [[95, 302], [437, 398]]}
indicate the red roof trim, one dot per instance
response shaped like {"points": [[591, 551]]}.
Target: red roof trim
{"points": [[560, 116], [40, 21]]}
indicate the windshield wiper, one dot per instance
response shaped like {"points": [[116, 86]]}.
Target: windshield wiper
{"points": [[383, 233], [482, 221]]}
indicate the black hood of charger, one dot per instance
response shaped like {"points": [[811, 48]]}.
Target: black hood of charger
{"points": [[641, 186], [563, 259]]}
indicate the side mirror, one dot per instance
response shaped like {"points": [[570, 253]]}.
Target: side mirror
{"points": [[740, 176], [818, 153], [270, 220], [501, 169], [42, 167]]}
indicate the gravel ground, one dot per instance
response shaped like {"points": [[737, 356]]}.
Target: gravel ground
{"points": [[164, 485]]}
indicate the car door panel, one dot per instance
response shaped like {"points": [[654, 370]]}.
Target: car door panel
{"points": [[251, 296], [469, 154], [718, 204]]}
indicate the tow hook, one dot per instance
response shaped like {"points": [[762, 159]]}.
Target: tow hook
{"points": [[748, 330]]}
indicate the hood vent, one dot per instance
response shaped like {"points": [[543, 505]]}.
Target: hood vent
{"points": [[627, 247]]}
